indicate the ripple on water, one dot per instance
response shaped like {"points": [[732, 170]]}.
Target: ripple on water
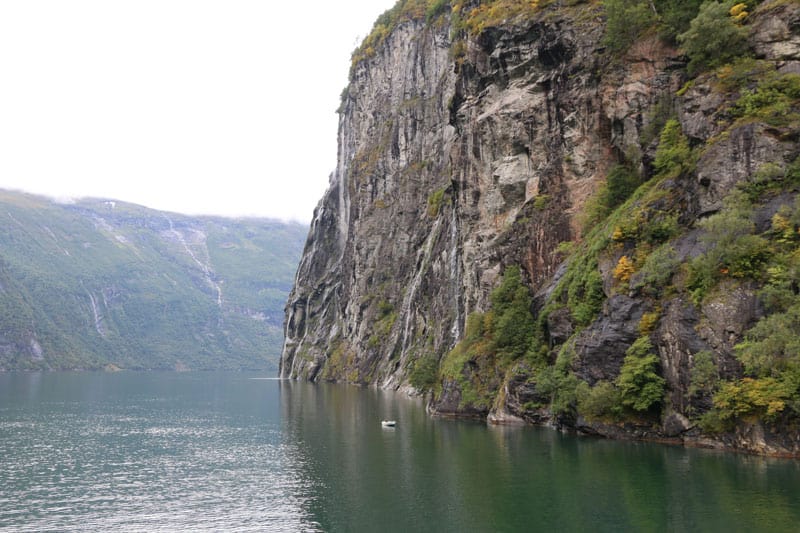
{"points": [[87, 470]]}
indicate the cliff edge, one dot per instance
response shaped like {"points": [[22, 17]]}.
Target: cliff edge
{"points": [[559, 213]]}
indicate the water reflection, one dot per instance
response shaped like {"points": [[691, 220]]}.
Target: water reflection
{"points": [[147, 452], [201, 452], [447, 475]]}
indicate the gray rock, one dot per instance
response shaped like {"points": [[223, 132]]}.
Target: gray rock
{"points": [[601, 347], [775, 31], [675, 424]]}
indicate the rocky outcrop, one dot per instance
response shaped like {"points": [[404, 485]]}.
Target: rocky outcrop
{"points": [[447, 172], [460, 155]]}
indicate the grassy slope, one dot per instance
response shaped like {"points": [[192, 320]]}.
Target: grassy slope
{"points": [[156, 305]]}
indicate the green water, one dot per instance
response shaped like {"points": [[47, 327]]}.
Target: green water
{"points": [[233, 452]]}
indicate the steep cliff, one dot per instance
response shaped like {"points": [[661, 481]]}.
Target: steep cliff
{"points": [[485, 147]]}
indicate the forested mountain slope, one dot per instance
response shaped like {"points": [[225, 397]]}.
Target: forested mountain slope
{"points": [[105, 284]]}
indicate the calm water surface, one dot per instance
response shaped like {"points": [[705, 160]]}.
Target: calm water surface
{"points": [[234, 452]]}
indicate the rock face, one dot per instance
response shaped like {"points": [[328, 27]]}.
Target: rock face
{"points": [[447, 173], [457, 160]]}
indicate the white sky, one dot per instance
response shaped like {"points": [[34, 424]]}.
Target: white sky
{"points": [[197, 106]]}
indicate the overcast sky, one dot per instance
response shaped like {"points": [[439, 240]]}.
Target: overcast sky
{"points": [[197, 106]]}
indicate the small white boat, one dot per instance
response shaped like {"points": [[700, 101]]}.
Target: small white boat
{"points": [[388, 423]]}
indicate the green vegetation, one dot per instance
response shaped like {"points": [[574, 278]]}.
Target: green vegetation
{"points": [[98, 283], [603, 402], [711, 32], [511, 328], [770, 351], [626, 21], [621, 182], [704, 374], [734, 251], [585, 294], [676, 15], [558, 383], [673, 156], [715, 36], [383, 324], [424, 375], [764, 398], [638, 388], [641, 387], [774, 100], [435, 201], [494, 339], [656, 271]]}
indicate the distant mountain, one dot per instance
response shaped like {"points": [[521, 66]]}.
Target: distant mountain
{"points": [[106, 284]]}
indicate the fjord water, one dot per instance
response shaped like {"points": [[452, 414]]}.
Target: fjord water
{"points": [[234, 452]]}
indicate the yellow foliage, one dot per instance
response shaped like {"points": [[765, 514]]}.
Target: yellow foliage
{"points": [[624, 269], [497, 12], [780, 222], [648, 323], [738, 9], [739, 13]]}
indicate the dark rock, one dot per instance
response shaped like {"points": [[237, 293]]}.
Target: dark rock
{"points": [[601, 347], [677, 341], [675, 424], [735, 159], [559, 325]]}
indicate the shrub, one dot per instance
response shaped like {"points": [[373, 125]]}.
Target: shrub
{"points": [[541, 201], [783, 282], [585, 295], [657, 270], [424, 375], [558, 383], [769, 177], [621, 182], [673, 155], [435, 9], [646, 224], [498, 337], [732, 249], [741, 72], [676, 15], [713, 37], [704, 374], [648, 322], [624, 269], [763, 398], [513, 324], [771, 101], [626, 21], [602, 402], [640, 386], [772, 344]]}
